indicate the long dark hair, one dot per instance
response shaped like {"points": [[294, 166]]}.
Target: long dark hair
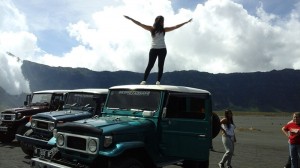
{"points": [[158, 26], [229, 120]]}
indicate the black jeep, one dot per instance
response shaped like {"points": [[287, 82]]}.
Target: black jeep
{"points": [[13, 120]]}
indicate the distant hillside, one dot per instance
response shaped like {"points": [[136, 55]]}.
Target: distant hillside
{"points": [[7, 100], [258, 91]]}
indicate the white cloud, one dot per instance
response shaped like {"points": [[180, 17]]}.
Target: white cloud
{"points": [[11, 19], [222, 38], [15, 39], [12, 79]]}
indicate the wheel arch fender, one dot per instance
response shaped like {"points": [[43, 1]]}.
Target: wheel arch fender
{"points": [[122, 147]]}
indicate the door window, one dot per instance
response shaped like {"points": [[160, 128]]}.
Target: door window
{"points": [[186, 106]]}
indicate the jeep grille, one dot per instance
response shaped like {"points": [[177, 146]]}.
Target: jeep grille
{"points": [[8, 117], [42, 124], [75, 142]]}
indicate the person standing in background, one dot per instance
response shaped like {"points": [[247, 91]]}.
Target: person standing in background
{"points": [[288, 163], [292, 131], [228, 138]]}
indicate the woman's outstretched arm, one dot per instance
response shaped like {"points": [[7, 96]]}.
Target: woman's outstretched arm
{"points": [[149, 28], [167, 29]]}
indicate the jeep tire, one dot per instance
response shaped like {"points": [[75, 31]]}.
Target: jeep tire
{"points": [[195, 164], [216, 125], [7, 137], [26, 148], [126, 162]]}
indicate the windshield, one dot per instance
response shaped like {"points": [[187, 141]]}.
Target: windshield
{"points": [[41, 98], [80, 100], [128, 99]]}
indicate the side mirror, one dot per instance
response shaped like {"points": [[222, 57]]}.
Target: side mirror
{"points": [[28, 100], [101, 107], [61, 104], [164, 113]]}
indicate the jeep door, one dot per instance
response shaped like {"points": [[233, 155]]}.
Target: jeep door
{"points": [[186, 126]]}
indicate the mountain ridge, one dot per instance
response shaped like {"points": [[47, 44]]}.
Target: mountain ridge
{"points": [[276, 90]]}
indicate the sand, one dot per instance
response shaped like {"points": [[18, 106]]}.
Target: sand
{"points": [[260, 144]]}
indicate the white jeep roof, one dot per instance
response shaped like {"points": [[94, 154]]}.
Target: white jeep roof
{"points": [[182, 89], [51, 91], [86, 90], [91, 90]]}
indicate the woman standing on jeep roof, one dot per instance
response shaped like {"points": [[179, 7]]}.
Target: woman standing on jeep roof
{"points": [[158, 47], [228, 138]]}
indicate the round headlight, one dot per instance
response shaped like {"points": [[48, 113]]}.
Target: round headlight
{"points": [[51, 126], [33, 123], [60, 140], [92, 145]]}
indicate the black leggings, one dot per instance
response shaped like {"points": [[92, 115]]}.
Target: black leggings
{"points": [[153, 54]]}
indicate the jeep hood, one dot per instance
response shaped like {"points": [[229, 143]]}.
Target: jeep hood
{"points": [[26, 110], [120, 124], [64, 115]]}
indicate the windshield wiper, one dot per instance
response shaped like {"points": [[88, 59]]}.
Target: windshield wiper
{"points": [[136, 110], [113, 108], [87, 107]]}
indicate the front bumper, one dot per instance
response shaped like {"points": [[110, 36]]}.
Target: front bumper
{"points": [[37, 163], [44, 163], [8, 127], [3, 129], [33, 141]]}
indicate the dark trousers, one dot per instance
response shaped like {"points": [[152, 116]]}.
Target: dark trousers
{"points": [[153, 54]]}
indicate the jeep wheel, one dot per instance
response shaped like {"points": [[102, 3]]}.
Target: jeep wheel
{"points": [[204, 164], [126, 163], [7, 137], [216, 125], [26, 148], [195, 164]]}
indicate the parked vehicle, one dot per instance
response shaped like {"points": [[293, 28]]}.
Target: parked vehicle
{"points": [[13, 120], [142, 126], [80, 104]]}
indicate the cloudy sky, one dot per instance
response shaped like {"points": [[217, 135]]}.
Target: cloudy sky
{"points": [[225, 36]]}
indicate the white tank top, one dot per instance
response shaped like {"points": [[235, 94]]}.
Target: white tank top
{"points": [[229, 131], [158, 41]]}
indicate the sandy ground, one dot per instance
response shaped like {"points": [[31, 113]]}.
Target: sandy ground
{"points": [[260, 144]]}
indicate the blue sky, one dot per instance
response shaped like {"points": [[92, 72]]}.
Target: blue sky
{"points": [[32, 8], [225, 36]]}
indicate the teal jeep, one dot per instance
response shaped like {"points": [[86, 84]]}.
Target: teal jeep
{"points": [[141, 126]]}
